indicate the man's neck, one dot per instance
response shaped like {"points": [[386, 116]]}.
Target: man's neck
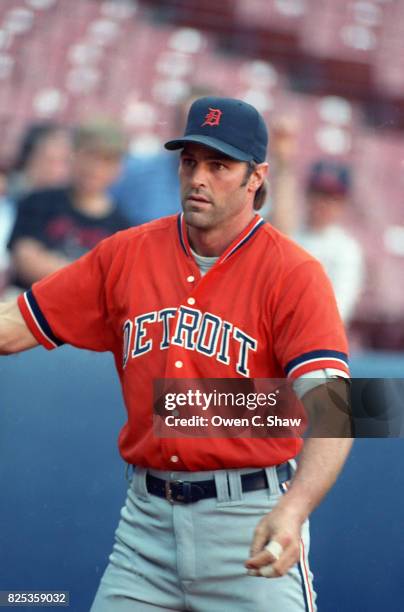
{"points": [[212, 242]]}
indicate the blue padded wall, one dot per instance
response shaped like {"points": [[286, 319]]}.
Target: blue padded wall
{"points": [[62, 484]]}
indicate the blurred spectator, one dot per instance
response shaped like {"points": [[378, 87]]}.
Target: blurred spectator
{"points": [[7, 217], [324, 237], [55, 226], [43, 159], [328, 194], [144, 194]]}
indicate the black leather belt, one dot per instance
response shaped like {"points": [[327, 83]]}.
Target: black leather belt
{"points": [[188, 492]]}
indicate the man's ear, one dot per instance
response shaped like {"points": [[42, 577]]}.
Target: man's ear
{"points": [[258, 176]]}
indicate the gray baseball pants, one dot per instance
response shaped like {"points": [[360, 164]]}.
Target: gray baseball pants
{"points": [[190, 557]]}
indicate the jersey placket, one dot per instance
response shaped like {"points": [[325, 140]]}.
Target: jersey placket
{"points": [[180, 358]]}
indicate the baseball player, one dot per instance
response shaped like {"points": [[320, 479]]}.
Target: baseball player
{"points": [[215, 292]]}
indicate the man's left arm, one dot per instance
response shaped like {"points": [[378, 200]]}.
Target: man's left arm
{"points": [[320, 463]]}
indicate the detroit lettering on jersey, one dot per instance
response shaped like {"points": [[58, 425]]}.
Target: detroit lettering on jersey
{"points": [[194, 330]]}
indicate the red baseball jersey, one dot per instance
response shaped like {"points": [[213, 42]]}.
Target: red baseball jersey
{"points": [[265, 309]]}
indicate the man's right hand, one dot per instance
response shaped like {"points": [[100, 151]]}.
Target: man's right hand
{"points": [[276, 543]]}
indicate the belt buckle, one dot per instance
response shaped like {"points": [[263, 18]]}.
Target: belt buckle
{"points": [[168, 490]]}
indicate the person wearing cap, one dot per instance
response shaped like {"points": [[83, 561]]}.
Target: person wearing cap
{"points": [[328, 193], [214, 521], [320, 229]]}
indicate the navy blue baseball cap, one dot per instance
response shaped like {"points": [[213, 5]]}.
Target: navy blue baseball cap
{"points": [[329, 177], [230, 126]]}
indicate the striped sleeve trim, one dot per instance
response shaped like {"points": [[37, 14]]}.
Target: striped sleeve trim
{"points": [[315, 360], [36, 321]]}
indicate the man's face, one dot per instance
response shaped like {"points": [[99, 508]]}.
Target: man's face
{"points": [[213, 187]]}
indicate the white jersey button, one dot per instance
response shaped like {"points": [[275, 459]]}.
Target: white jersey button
{"points": [[191, 301], [174, 458], [190, 279], [178, 364]]}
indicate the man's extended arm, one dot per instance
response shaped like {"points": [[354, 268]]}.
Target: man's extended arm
{"points": [[320, 462], [14, 334]]}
